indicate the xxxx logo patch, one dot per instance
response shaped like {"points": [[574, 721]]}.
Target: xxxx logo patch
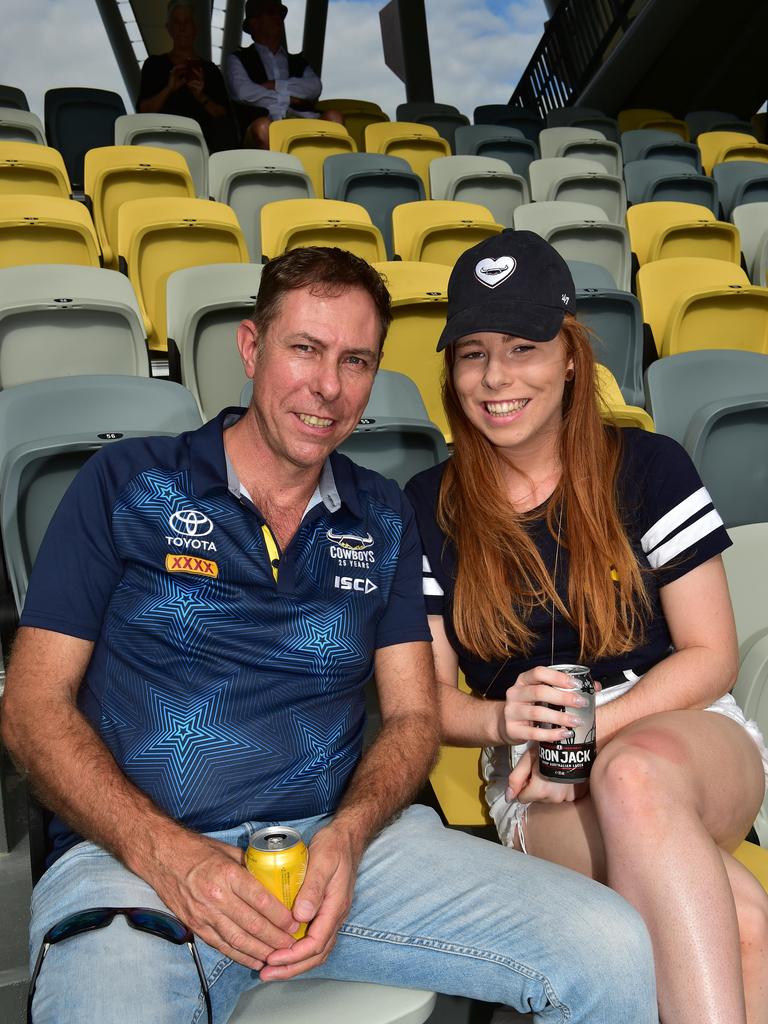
{"points": [[193, 564]]}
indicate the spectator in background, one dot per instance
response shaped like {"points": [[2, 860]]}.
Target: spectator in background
{"points": [[181, 82], [266, 81]]}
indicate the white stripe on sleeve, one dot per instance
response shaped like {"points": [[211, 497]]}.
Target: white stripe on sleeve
{"points": [[685, 539], [674, 518], [432, 588]]}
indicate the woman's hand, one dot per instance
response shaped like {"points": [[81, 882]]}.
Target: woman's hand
{"points": [[525, 716], [528, 786]]}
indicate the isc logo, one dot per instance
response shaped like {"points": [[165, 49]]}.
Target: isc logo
{"points": [[354, 583]]}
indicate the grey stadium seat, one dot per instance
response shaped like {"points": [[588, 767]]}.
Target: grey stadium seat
{"points": [[499, 141], [480, 179], [20, 126], [741, 182], [658, 180], [332, 1002], [578, 181], [650, 142], [752, 222], [587, 143]]}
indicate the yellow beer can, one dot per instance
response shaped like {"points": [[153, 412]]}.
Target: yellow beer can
{"points": [[277, 856]]}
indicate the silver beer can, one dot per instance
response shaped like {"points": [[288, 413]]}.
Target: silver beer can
{"points": [[570, 759]]}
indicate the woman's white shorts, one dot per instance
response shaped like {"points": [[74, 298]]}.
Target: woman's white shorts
{"points": [[497, 762]]}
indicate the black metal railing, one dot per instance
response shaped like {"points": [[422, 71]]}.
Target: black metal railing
{"points": [[575, 40]]}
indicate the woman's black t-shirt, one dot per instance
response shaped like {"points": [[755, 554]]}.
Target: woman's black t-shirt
{"points": [[672, 526]]}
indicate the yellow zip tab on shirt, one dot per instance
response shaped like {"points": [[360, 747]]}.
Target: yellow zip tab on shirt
{"points": [[272, 550]]}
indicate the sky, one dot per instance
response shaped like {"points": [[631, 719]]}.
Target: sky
{"points": [[477, 50]]}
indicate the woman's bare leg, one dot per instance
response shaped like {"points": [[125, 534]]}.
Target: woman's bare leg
{"points": [[666, 793]]}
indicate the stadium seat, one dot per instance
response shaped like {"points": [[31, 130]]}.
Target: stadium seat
{"points": [[480, 179], [578, 181], [581, 231], [586, 143], [590, 275], [660, 180], [719, 318], [117, 174], [27, 168], [13, 98], [169, 131], [333, 1002], [77, 120], [46, 229], [439, 230], [645, 142], [615, 322], [584, 118], [740, 182], [722, 147], [395, 436], [663, 230], [58, 321], [645, 117], [416, 143], [311, 141], [752, 222], [291, 223], [699, 121], [613, 408], [205, 307], [157, 236], [419, 296], [664, 284], [357, 114], [48, 429], [347, 104], [497, 141], [444, 118], [375, 181], [246, 179], [528, 122], [20, 126]]}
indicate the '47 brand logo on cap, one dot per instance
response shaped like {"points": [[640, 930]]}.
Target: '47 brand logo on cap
{"points": [[193, 564]]}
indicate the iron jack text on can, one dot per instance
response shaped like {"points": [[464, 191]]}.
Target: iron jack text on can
{"points": [[277, 856], [571, 758]]}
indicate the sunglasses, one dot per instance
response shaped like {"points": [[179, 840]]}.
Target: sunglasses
{"points": [[154, 922]]}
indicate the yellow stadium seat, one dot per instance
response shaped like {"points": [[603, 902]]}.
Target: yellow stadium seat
{"points": [[721, 147], [357, 114], [29, 169], [157, 236], [311, 141], [419, 144], [419, 297], [661, 285], [118, 174], [290, 223], [439, 230], [46, 229], [755, 859], [637, 117], [664, 230], [719, 318], [344, 105], [613, 407]]}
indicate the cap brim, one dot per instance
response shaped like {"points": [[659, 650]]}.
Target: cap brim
{"points": [[520, 319]]}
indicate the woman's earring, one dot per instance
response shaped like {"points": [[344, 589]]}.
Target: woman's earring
{"points": [[570, 374]]}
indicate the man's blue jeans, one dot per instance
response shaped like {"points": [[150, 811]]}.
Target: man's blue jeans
{"points": [[433, 909]]}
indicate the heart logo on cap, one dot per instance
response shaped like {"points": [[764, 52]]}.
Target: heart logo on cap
{"points": [[492, 273]]}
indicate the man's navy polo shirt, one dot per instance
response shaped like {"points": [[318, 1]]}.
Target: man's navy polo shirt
{"points": [[223, 694]]}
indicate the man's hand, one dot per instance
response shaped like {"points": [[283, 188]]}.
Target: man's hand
{"points": [[324, 899], [206, 885]]}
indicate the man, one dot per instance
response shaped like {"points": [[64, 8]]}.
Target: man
{"points": [[266, 81], [189, 663]]}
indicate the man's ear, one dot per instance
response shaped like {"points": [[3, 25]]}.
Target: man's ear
{"points": [[248, 345]]}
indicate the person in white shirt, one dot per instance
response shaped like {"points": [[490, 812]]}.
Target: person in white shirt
{"points": [[266, 82]]}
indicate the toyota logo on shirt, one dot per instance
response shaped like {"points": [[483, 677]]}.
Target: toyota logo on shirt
{"points": [[190, 526]]}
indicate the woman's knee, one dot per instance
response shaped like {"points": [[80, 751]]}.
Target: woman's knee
{"points": [[633, 778]]}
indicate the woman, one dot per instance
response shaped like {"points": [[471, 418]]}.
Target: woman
{"points": [[179, 82], [610, 549]]}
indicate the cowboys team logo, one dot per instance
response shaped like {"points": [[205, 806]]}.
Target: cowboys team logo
{"points": [[351, 548], [190, 527]]}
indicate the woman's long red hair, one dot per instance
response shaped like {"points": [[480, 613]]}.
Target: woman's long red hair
{"points": [[500, 574]]}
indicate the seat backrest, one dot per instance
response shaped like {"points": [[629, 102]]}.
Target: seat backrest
{"points": [[439, 230], [589, 275], [746, 566], [662, 180], [157, 236], [752, 222], [117, 174], [699, 121], [419, 294], [77, 120], [646, 142], [419, 144], [497, 141], [712, 146], [661, 284], [585, 143], [580, 181], [27, 168], [529, 122], [647, 223], [480, 179], [20, 126], [443, 117], [46, 229], [635, 117], [311, 141], [719, 318], [292, 223], [613, 408], [615, 321], [58, 321], [169, 131], [13, 98], [49, 428], [741, 182], [247, 179], [548, 171], [205, 306]]}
